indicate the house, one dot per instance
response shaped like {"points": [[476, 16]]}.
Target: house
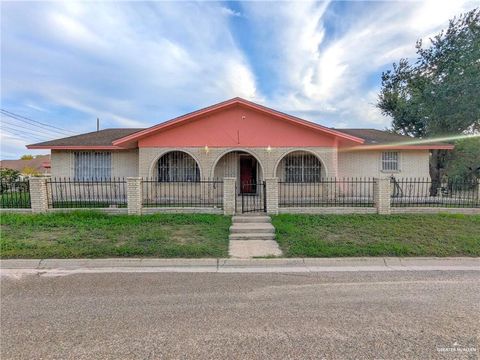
{"points": [[40, 164], [241, 139]]}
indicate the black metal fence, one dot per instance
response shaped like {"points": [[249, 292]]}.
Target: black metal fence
{"points": [[349, 192], [204, 193], [14, 194], [98, 193], [253, 197], [416, 192]]}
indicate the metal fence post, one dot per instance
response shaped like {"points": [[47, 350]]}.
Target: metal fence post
{"points": [[38, 194], [271, 190], [381, 195], [134, 195], [229, 195]]}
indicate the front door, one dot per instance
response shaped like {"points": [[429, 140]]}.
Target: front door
{"points": [[248, 174]]}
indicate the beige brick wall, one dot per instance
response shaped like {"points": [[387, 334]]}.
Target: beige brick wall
{"points": [[207, 161], [142, 162], [124, 163], [413, 163]]}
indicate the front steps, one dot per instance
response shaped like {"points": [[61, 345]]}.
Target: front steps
{"points": [[252, 236]]}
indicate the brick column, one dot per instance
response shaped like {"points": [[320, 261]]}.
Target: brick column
{"points": [[134, 195], [271, 188], [229, 195], [381, 195], [38, 194]]}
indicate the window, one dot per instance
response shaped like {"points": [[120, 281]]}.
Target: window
{"points": [[302, 167], [177, 166], [92, 165], [390, 161]]}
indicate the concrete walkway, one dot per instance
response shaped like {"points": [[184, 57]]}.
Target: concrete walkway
{"points": [[252, 236], [55, 267]]}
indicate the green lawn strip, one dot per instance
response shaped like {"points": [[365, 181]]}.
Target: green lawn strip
{"points": [[94, 234], [376, 235]]}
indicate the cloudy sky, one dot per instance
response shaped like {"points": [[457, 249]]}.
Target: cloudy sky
{"points": [[135, 64]]}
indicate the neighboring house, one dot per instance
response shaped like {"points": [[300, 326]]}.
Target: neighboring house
{"points": [[39, 165], [241, 139]]}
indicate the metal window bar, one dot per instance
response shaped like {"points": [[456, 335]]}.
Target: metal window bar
{"points": [[329, 192], [202, 193], [14, 194], [423, 192], [86, 193]]}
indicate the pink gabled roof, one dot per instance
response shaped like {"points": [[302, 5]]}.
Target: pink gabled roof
{"points": [[222, 105]]}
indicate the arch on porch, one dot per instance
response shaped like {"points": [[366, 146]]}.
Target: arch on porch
{"points": [[228, 163], [300, 165], [176, 165]]}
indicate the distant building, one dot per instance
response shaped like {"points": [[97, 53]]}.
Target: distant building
{"points": [[38, 165]]}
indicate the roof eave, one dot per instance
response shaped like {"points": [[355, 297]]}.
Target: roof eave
{"points": [[77, 147], [402, 147]]}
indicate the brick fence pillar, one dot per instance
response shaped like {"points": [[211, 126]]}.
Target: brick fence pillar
{"points": [[271, 189], [381, 195], [38, 194], [134, 195], [229, 195]]}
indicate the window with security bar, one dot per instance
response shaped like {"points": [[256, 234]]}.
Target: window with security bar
{"points": [[302, 167], [92, 165], [178, 166], [390, 161]]}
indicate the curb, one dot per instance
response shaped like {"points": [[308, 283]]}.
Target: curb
{"points": [[244, 265]]}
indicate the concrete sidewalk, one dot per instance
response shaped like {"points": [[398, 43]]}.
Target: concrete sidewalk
{"points": [[66, 266]]}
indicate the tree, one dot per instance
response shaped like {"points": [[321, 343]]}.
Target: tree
{"points": [[7, 177], [30, 171], [26, 157], [464, 160], [437, 95]]}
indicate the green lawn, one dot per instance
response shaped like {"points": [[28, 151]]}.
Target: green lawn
{"points": [[376, 235], [94, 234]]}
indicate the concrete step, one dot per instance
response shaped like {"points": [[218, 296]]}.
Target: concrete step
{"points": [[244, 249], [252, 236], [243, 228], [251, 219]]}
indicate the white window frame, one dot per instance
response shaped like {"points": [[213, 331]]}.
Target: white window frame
{"points": [[92, 165], [390, 161]]}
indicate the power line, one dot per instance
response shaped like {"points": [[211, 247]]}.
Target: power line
{"points": [[18, 136], [26, 133], [14, 117], [40, 132], [26, 119]]}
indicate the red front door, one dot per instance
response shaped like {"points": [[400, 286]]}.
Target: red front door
{"points": [[247, 174]]}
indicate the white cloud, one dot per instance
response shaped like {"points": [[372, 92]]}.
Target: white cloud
{"points": [[330, 76]]}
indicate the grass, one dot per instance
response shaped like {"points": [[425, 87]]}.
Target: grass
{"points": [[94, 234], [376, 235]]}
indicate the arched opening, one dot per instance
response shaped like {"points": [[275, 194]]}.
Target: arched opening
{"points": [[243, 166], [300, 167], [177, 166]]}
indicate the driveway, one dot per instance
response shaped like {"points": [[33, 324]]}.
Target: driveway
{"points": [[422, 314]]}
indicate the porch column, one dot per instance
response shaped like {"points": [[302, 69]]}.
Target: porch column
{"points": [[38, 194], [271, 189], [381, 195], [229, 195], [134, 195]]}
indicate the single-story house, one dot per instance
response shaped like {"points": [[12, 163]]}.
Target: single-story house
{"points": [[241, 139], [40, 164]]}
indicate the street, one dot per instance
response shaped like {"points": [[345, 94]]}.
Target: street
{"points": [[390, 315]]}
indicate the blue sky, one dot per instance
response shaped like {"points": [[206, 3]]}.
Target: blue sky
{"points": [[135, 64]]}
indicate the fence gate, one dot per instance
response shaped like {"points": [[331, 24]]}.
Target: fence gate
{"points": [[253, 197]]}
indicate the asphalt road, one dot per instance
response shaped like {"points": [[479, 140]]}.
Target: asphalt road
{"points": [[389, 315]]}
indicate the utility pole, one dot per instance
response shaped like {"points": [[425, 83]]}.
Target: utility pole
{"points": [[98, 124]]}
